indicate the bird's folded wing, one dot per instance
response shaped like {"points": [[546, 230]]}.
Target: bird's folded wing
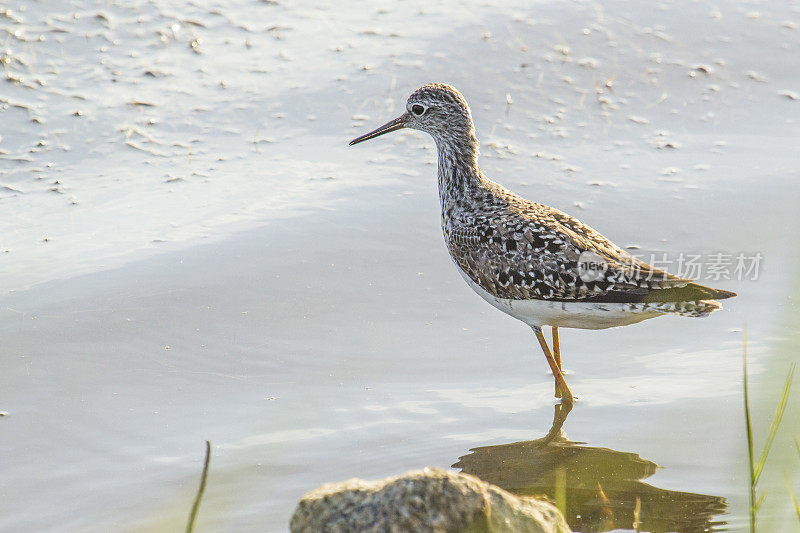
{"points": [[547, 261], [518, 249], [636, 271]]}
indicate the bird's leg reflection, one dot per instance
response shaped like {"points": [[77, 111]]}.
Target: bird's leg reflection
{"points": [[562, 410], [597, 489]]}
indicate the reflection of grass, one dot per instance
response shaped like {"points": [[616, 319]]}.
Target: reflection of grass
{"points": [[756, 468], [200, 490], [561, 490]]}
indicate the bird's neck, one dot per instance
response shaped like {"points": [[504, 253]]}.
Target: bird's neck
{"points": [[459, 172]]}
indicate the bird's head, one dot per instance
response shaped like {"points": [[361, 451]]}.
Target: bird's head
{"points": [[437, 109]]}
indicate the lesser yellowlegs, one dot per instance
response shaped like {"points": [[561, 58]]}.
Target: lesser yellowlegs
{"points": [[529, 260]]}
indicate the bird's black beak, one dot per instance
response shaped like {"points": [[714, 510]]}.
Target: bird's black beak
{"points": [[396, 124]]}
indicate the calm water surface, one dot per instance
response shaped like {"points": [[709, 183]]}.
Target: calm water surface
{"points": [[192, 251]]}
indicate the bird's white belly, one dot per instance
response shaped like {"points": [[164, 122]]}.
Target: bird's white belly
{"points": [[582, 315]]}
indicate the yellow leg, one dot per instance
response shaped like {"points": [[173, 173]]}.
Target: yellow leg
{"points": [[557, 355], [556, 348], [561, 385]]}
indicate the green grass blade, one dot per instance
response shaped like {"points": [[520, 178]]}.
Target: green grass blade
{"points": [[776, 420], [761, 500], [749, 428], [196, 506]]}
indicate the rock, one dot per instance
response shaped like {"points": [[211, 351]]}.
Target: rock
{"points": [[432, 499]]}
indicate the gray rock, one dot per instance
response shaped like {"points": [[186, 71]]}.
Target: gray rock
{"points": [[432, 499]]}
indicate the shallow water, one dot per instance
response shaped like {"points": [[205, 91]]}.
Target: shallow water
{"points": [[216, 263]]}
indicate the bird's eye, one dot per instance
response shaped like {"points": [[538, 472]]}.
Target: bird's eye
{"points": [[418, 110]]}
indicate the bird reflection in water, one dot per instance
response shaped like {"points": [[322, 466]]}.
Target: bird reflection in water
{"points": [[597, 489]]}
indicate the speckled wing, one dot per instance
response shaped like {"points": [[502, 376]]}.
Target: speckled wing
{"points": [[522, 250]]}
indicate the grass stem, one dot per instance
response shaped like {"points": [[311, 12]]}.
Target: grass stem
{"points": [[757, 467], [776, 420], [749, 428], [196, 505]]}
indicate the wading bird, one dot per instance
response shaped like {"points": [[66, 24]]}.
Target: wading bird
{"points": [[529, 260]]}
